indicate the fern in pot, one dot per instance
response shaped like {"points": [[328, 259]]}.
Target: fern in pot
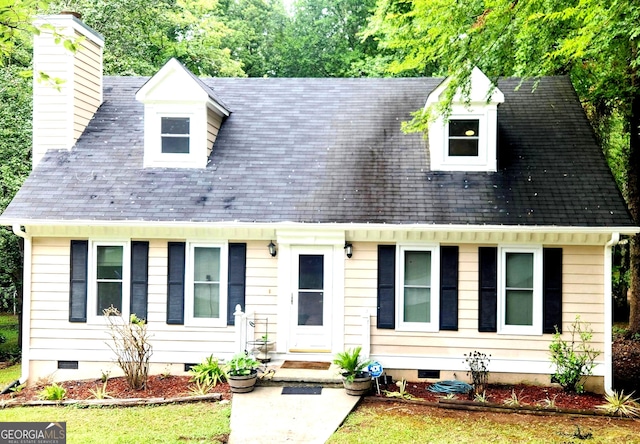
{"points": [[355, 376]]}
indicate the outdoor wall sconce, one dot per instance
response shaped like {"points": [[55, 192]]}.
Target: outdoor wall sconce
{"points": [[348, 248], [272, 249]]}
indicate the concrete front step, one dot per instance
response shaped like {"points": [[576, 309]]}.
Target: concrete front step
{"points": [[274, 375]]}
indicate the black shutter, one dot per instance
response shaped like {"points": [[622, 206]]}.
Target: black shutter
{"points": [[237, 280], [78, 281], [175, 283], [449, 288], [139, 278], [488, 289], [552, 290], [386, 286]]}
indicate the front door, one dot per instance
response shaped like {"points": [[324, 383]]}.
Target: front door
{"points": [[311, 300]]}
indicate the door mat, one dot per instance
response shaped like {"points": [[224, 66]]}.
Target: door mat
{"points": [[306, 365], [314, 390]]}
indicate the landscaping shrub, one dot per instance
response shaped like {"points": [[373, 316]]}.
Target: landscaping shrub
{"points": [[478, 364], [53, 392], [574, 359], [131, 346], [208, 372]]}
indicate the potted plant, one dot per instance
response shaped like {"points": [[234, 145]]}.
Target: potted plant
{"points": [[355, 377], [242, 373]]}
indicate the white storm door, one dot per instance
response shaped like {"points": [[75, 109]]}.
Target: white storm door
{"points": [[311, 300]]}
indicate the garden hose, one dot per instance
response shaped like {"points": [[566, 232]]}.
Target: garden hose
{"points": [[451, 386]]}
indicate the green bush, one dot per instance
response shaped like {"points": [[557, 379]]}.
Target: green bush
{"points": [[208, 373], [574, 359], [53, 392]]}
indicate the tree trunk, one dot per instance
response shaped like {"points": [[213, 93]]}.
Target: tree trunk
{"points": [[633, 188]]}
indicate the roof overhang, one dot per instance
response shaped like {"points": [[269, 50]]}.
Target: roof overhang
{"points": [[366, 232]]}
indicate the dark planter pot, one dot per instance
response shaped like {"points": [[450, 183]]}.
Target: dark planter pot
{"points": [[243, 384], [359, 386]]}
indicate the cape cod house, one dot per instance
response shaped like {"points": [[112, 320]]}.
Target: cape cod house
{"points": [[300, 203]]}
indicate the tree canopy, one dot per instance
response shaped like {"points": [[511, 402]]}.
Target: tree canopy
{"points": [[595, 42]]}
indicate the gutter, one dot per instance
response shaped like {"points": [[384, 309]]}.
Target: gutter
{"points": [[338, 226], [608, 314], [26, 301]]}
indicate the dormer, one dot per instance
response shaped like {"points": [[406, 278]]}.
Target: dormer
{"points": [[182, 117], [467, 139]]}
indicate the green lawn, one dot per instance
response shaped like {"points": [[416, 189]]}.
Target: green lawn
{"points": [[397, 423], [183, 423], [9, 329]]}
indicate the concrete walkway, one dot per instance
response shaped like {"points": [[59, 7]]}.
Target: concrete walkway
{"points": [[267, 416]]}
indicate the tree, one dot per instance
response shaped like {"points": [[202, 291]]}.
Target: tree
{"points": [[140, 36], [595, 42], [323, 39], [257, 29]]}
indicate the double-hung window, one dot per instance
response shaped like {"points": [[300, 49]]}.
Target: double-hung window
{"points": [[206, 295], [109, 276], [175, 135], [463, 137], [520, 291], [418, 298]]}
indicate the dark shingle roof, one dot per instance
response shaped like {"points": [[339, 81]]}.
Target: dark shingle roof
{"points": [[331, 150]]}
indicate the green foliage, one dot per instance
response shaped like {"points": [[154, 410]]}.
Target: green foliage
{"points": [[402, 391], [351, 363], [514, 400], [478, 364], [619, 404], [482, 398], [323, 39], [208, 372], [141, 36], [53, 392], [101, 392], [574, 359], [241, 364]]}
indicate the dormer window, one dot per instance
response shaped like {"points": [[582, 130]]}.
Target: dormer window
{"points": [[175, 135], [182, 117], [463, 137], [466, 140]]}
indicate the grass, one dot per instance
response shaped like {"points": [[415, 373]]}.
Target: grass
{"points": [[9, 374], [9, 329], [397, 424], [183, 423]]}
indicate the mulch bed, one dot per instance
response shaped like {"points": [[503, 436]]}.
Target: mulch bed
{"points": [[527, 395], [158, 386], [180, 386]]}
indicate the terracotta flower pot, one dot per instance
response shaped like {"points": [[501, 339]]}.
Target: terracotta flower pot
{"points": [[244, 383]]}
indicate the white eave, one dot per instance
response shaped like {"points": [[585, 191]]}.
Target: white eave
{"points": [[479, 234]]}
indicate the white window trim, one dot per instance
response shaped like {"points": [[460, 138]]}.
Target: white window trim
{"points": [[189, 319], [481, 158], [92, 290], [434, 325], [197, 155], [536, 328]]}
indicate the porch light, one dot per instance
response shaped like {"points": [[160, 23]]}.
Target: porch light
{"points": [[272, 249], [348, 248]]}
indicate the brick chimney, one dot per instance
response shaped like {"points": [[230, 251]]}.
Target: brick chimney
{"points": [[60, 116]]}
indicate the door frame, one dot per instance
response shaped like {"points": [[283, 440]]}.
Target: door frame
{"points": [[290, 242]]}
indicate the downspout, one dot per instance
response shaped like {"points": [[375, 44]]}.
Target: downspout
{"points": [[608, 313], [26, 301]]}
